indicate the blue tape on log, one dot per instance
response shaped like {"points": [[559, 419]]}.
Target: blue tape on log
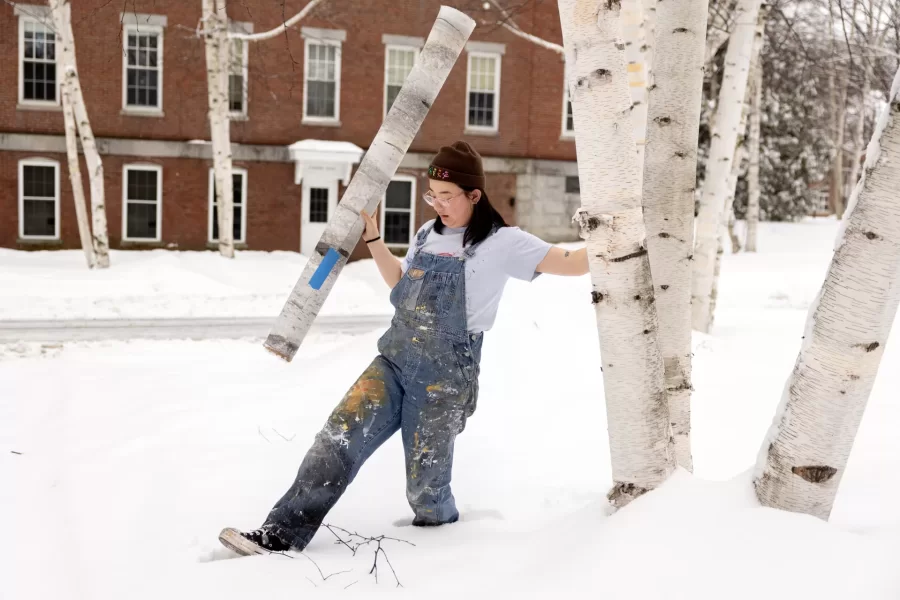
{"points": [[328, 261]]}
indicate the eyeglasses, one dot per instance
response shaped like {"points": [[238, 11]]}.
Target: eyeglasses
{"points": [[432, 200]]}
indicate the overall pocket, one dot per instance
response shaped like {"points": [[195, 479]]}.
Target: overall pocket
{"points": [[426, 291]]}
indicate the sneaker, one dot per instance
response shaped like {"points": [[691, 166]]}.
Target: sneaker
{"points": [[259, 541]]}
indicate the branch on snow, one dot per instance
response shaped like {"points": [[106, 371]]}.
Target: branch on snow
{"points": [[356, 541]]}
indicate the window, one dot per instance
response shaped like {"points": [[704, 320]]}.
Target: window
{"points": [[142, 202], [143, 68], [239, 204], [237, 79], [37, 74], [568, 117], [322, 81], [398, 62], [39, 199], [573, 185], [318, 205], [482, 102], [398, 211]]}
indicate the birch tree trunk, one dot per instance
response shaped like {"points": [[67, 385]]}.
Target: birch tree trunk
{"points": [[84, 228], [611, 221], [61, 13], [805, 452], [448, 36], [753, 150], [215, 31], [670, 167], [721, 155]]}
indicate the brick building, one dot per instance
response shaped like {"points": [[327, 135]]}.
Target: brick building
{"points": [[305, 105]]}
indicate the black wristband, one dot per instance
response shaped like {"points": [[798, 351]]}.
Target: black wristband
{"points": [[372, 240]]}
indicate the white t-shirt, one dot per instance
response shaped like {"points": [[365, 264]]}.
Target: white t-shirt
{"points": [[509, 252]]}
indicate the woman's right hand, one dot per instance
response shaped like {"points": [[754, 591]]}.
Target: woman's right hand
{"points": [[371, 227]]}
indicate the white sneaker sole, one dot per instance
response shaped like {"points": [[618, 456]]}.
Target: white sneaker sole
{"points": [[233, 540]]}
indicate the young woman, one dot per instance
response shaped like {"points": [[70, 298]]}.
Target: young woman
{"points": [[424, 381]]}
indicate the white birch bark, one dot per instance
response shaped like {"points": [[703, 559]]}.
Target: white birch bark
{"points": [[670, 167], [805, 452], [611, 221], [61, 13], [721, 156], [275, 32], [636, 46], [215, 33], [448, 36], [753, 153], [84, 228]]}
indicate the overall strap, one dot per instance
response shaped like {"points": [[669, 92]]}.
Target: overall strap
{"points": [[422, 236]]}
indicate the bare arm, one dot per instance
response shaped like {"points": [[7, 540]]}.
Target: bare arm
{"points": [[564, 262], [388, 264]]}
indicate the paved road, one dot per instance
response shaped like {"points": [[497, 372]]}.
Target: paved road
{"points": [[195, 329]]}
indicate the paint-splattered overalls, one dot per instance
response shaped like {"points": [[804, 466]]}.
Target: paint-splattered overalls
{"points": [[424, 382]]}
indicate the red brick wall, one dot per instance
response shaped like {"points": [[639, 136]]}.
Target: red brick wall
{"points": [[530, 93]]}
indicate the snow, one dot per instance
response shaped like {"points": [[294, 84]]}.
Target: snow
{"points": [[134, 455], [162, 283]]}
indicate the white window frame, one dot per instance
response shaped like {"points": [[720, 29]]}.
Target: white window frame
{"points": [[21, 66], [142, 29], [387, 56], [412, 210], [338, 44], [498, 58], [245, 61], [37, 162], [125, 201], [212, 202]]}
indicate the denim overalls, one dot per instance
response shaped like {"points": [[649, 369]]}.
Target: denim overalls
{"points": [[424, 382]]}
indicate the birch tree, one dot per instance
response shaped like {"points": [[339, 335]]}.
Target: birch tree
{"points": [[668, 195], [76, 121], [611, 222], [721, 155], [756, 83], [805, 452], [218, 41], [446, 41]]}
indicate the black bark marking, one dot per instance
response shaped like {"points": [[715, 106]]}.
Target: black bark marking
{"points": [[843, 392], [622, 493], [638, 297], [680, 30], [681, 154], [871, 235], [652, 87], [868, 347], [663, 120], [646, 331], [596, 297], [592, 223], [665, 287], [854, 377], [613, 4], [620, 46], [644, 48], [814, 474], [637, 254], [425, 103], [603, 73], [664, 235]]}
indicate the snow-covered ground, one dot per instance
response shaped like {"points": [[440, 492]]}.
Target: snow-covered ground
{"points": [[134, 455], [164, 284]]}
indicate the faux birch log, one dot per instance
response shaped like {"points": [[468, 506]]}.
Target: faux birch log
{"points": [[215, 30], [721, 155], [805, 452], [670, 167], [448, 36], [611, 221], [61, 13]]}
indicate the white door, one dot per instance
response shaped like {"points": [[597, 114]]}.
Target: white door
{"points": [[319, 203]]}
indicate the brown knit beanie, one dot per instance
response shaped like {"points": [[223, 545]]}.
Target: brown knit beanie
{"points": [[459, 164]]}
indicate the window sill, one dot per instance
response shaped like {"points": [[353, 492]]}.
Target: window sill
{"points": [[237, 245], [238, 117], [315, 123], [567, 137], [133, 112], [482, 132], [38, 242], [39, 107], [126, 244]]}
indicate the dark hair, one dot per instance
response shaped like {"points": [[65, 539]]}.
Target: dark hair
{"points": [[484, 218]]}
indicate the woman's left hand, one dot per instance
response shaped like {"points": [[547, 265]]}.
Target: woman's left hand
{"points": [[371, 227]]}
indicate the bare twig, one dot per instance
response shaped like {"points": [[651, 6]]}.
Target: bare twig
{"points": [[354, 545], [291, 439], [259, 429], [511, 26], [14, 452]]}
